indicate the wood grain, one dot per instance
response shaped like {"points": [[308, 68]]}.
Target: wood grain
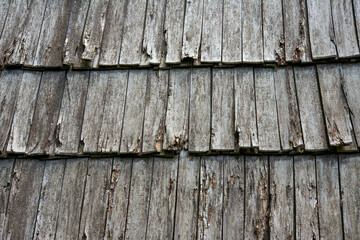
{"points": [[6, 170]]}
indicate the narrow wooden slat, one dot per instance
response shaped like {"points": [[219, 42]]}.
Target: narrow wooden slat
{"points": [[4, 7], [133, 32], [6, 168], [245, 109], [321, 29], [42, 132], [155, 111], [306, 204], [232, 32], [96, 197], [222, 110], [211, 198], [267, 119], [281, 197], [131, 137], [336, 113], [234, 194], [356, 6], [48, 209], [177, 113], [200, 110], [327, 174], [311, 115]]}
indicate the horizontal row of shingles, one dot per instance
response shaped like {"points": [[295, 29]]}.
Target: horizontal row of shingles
{"points": [[84, 33], [200, 109]]}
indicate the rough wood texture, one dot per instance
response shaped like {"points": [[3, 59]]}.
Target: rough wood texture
{"points": [[42, 132], [306, 204], [267, 118], [312, 121], [96, 197], [6, 169], [234, 194], [281, 197], [211, 198], [4, 7], [200, 110], [336, 112], [155, 111], [327, 174], [356, 6], [187, 197], [222, 110], [131, 137], [287, 108], [245, 109], [177, 113]]}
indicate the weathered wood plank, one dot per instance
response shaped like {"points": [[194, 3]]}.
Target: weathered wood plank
{"points": [[232, 32], [4, 7], [222, 110], [287, 108], [96, 197], [234, 194], [177, 113], [211, 198], [139, 199], [200, 110], [321, 29], [336, 112], [24, 199], [131, 49], [6, 168], [327, 174], [350, 194], [356, 5], [306, 204], [118, 198], [257, 198], [42, 132], [281, 197], [252, 32], [48, 210], [311, 114], [266, 113], [24, 111], [245, 109], [131, 137], [155, 111], [71, 198]]}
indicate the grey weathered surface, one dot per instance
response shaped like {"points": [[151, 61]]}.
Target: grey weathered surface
{"points": [[327, 175], [321, 29], [186, 216], [24, 199], [287, 108], [306, 204], [118, 198], [131, 137], [139, 198], [6, 168], [72, 194], [350, 194], [96, 197], [356, 6], [177, 113], [281, 197], [211, 34], [42, 132], [222, 109], [256, 198], [160, 224], [200, 110], [245, 108], [131, 49], [336, 112], [234, 195], [211, 198], [267, 118], [155, 111], [50, 196], [4, 7], [252, 32], [232, 32], [312, 121]]}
